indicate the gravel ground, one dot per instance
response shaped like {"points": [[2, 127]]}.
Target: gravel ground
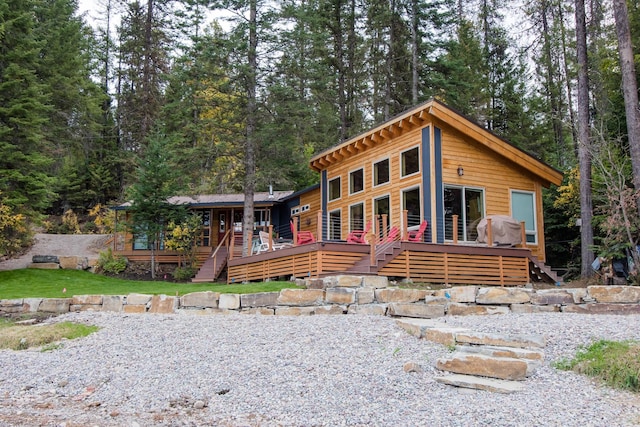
{"points": [[247, 370], [87, 245]]}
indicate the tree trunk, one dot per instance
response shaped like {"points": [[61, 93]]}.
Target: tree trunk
{"points": [[584, 144], [250, 143], [629, 87]]}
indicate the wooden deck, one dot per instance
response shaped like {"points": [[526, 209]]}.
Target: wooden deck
{"points": [[421, 262]]}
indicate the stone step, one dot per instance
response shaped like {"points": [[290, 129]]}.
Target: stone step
{"points": [[496, 351], [481, 383], [431, 330], [482, 338], [504, 368]]}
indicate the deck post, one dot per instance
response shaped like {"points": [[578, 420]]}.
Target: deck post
{"points": [[385, 226], [523, 234], [270, 231], [232, 243], [489, 233], [372, 248], [295, 231], [376, 226], [405, 226], [319, 227], [455, 229]]}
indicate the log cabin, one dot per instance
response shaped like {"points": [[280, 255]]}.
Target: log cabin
{"points": [[428, 169]]}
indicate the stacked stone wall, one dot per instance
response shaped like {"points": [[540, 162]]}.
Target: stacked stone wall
{"points": [[353, 295]]}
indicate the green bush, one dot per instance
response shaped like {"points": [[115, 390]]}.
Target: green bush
{"points": [[615, 363], [184, 273], [110, 264]]}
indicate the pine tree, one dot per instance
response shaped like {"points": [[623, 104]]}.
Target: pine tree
{"points": [[24, 111]]}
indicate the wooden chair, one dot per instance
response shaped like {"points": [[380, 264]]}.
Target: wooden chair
{"points": [[264, 243], [393, 234], [304, 236], [417, 235], [359, 236]]}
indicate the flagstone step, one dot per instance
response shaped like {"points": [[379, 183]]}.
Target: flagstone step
{"points": [[483, 338], [481, 383], [496, 351], [504, 368]]}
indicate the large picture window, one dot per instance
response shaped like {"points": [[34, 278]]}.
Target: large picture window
{"points": [[356, 217], [411, 203], [335, 225], [410, 162], [523, 208], [468, 204], [356, 181], [334, 189], [381, 172], [381, 206]]}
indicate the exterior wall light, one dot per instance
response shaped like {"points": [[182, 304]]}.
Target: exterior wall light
{"points": [[460, 170]]}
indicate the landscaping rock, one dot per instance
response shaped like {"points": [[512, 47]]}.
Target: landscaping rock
{"points": [[45, 265], [112, 303], [485, 366], [530, 308], [295, 311], [262, 299], [138, 299], [615, 294], [400, 295], [301, 297], [163, 304], [331, 309], [55, 305], [551, 297], [45, 259], [348, 281], [340, 296], [481, 383], [375, 282], [460, 309], [229, 302], [459, 293], [206, 299], [482, 338], [365, 295], [74, 263], [369, 309], [416, 310], [496, 351], [503, 296], [602, 308]]}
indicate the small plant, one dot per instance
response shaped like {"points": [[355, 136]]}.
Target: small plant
{"points": [[70, 223], [103, 219], [14, 232], [616, 363], [111, 264], [184, 273]]}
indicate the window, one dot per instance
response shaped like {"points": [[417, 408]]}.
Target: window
{"points": [[468, 204], [334, 189], [381, 172], [381, 207], [335, 225], [411, 203], [410, 162], [356, 181], [141, 241], [356, 217], [523, 208]]}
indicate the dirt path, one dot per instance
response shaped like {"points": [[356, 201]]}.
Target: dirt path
{"points": [[86, 245]]}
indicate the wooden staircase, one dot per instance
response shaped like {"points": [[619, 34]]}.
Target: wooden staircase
{"points": [[213, 266], [385, 252], [540, 272]]}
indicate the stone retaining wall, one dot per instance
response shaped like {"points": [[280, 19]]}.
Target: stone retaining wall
{"points": [[353, 295]]}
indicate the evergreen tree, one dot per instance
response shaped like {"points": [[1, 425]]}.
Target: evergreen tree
{"points": [[24, 111]]}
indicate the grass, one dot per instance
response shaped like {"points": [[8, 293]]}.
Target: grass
{"points": [[34, 283], [21, 337], [616, 363]]}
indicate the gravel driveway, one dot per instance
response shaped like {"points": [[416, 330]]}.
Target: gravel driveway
{"points": [[87, 245], [251, 370]]}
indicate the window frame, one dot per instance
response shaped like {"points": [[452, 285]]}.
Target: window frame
{"points": [[402, 162], [331, 229], [462, 222], [330, 186], [412, 225], [352, 225], [375, 212], [374, 173], [351, 192], [528, 232]]}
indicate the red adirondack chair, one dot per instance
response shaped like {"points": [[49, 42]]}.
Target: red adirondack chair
{"points": [[417, 235], [393, 234], [359, 236], [304, 236]]}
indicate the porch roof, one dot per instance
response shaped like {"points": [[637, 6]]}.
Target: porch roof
{"points": [[222, 200]]}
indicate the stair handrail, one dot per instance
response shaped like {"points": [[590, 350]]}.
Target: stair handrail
{"points": [[222, 242]]}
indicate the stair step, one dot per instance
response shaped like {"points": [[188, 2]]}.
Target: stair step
{"points": [[481, 383], [497, 351], [504, 368], [482, 338]]}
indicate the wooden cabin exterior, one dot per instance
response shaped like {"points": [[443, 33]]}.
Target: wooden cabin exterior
{"points": [[429, 164], [434, 163]]}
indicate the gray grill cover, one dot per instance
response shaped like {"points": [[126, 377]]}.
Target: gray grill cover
{"points": [[506, 230]]}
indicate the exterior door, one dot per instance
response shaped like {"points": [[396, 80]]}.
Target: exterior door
{"points": [[224, 222]]}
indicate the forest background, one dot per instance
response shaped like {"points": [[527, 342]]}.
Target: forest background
{"points": [[237, 95]]}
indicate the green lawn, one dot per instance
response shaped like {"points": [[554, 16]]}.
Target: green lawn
{"points": [[34, 283]]}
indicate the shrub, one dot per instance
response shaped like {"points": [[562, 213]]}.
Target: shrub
{"points": [[14, 233], [110, 264], [184, 273], [70, 223], [104, 219]]}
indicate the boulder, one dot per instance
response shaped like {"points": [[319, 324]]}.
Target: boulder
{"points": [[163, 304], [301, 297], [229, 301], [340, 296], [416, 310], [615, 294], [503, 296], [45, 259], [400, 295], [551, 297], [55, 305], [482, 338], [459, 293], [460, 309], [262, 299], [205, 299], [503, 368], [481, 383]]}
